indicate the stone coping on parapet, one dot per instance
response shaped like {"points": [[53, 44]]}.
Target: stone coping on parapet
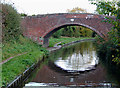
{"points": [[43, 15]]}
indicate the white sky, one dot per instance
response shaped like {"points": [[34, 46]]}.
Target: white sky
{"points": [[31, 7]]}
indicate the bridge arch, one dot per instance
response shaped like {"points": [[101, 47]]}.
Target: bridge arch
{"points": [[39, 28], [56, 28], [48, 34]]}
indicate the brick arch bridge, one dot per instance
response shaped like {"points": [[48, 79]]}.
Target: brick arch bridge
{"points": [[39, 28]]}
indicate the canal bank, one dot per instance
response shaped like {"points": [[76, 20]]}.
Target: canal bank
{"points": [[14, 61], [59, 45], [19, 61]]}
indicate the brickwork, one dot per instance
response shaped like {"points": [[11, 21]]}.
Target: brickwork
{"points": [[41, 27]]}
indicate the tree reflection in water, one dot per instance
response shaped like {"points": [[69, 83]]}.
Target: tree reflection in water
{"points": [[79, 57]]}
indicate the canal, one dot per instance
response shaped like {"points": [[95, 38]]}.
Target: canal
{"points": [[77, 65]]}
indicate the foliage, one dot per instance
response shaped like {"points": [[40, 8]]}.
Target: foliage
{"points": [[33, 15], [11, 23], [74, 31], [112, 44], [23, 14], [76, 10], [106, 7], [57, 34]]}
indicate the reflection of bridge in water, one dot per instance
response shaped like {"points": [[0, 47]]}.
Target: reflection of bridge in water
{"points": [[41, 27], [77, 62], [52, 75], [83, 59]]}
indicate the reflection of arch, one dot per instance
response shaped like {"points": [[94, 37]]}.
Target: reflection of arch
{"points": [[64, 72], [54, 67], [56, 28]]}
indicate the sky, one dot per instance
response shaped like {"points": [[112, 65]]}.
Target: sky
{"points": [[31, 7]]}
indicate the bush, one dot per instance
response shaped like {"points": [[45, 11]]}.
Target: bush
{"points": [[74, 31], [11, 23], [57, 34]]}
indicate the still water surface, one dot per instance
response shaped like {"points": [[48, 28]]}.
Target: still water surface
{"points": [[76, 65]]}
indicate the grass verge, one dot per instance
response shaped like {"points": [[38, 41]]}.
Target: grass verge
{"points": [[23, 45], [65, 40], [18, 64]]}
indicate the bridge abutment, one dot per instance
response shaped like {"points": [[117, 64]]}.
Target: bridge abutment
{"points": [[45, 42]]}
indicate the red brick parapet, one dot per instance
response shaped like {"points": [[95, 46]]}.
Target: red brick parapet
{"points": [[41, 27]]}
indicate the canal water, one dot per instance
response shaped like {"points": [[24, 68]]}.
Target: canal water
{"points": [[74, 66]]}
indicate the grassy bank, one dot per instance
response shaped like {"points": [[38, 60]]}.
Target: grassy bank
{"points": [[30, 53], [65, 40], [20, 46]]}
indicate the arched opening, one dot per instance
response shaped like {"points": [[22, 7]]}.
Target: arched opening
{"points": [[56, 28]]}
